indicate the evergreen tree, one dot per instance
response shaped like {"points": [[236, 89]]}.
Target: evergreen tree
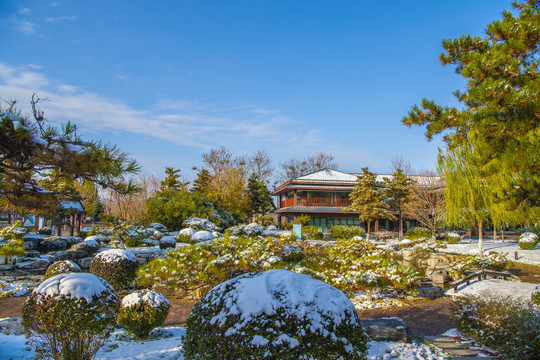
{"points": [[30, 148], [367, 199], [397, 192], [171, 181], [202, 183], [500, 112], [259, 197]]}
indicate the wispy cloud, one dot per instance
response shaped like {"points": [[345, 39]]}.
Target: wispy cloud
{"points": [[61, 18], [27, 26], [24, 11], [244, 128]]}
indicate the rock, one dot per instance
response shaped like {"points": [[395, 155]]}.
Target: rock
{"points": [[408, 255], [60, 255], [77, 254], [387, 329], [439, 277], [84, 263], [32, 264], [11, 326], [53, 243], [32, 241], [70, 240], [32, 253], [429, 292]]}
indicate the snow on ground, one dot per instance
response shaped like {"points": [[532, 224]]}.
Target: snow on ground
{"points": [[13, 289], [509, 247], [495, 287], [166, 344]]}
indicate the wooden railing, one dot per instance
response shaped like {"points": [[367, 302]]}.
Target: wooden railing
{"points": [[317, 202], [481, 275]]}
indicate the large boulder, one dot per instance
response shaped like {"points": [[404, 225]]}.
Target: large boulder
{"points": [[276, 314], [387, 329]]}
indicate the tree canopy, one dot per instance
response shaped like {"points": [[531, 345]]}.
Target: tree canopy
{"points": [[500, 105], [31, 149]]}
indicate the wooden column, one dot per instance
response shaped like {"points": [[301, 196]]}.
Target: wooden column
{"points": [[376, 227]]}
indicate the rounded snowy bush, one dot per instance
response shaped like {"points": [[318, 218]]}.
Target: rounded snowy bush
{"points": [[167, 242], [276, 314], [116, 266], [202, 235], [70, 316], [187, 232], [90, 246], [528, 241], [61, 267], [142, 311]]}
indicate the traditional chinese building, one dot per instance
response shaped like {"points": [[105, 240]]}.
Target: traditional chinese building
{"points": [[322, 195]]}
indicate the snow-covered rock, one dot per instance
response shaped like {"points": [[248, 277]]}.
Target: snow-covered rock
{"points": [[202, 235], [187, 232]]}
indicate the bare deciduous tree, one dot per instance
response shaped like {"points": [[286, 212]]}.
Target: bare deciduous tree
{"points": [[427, 201], [294, 168]]}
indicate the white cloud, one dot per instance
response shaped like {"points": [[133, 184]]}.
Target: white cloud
{"points": [[61, 18], [243, 128], [27, 26], [24, 11]]}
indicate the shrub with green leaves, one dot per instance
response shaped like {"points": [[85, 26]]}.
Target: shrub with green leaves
{"points": [[418, 233], [61, 267], [70, 316], [47, 231], [349, 265], [347, 231], [11, 242], [528, 241], [504, 324], [535, 296], [475, 262], [117, 266], [312, 232], [142, 311], [276, 314]]}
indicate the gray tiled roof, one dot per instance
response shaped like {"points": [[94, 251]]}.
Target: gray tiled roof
{"points": [[311, 209]]}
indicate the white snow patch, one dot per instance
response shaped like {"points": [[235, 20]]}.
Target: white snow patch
{"points": [[495, 287], [507, 247], [115, 255], [187, 232], [151, 298], [202, 235], [73, 285]]}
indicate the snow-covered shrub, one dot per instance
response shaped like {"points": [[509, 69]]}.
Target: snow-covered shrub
{"points": [[272, 228], [11, 242], [452, 238], [535, 296], [346, 231], [70, 316], [142, 311], [159, 227], [116, 266], [45, 231], [528, 241], [312, 232], [202, 235], [384, 235], [89, 245], [167, 242], [187, 232], [418, 233], [475, 262], [61, 267], [503, 324], [201, 224], [276, 314]]}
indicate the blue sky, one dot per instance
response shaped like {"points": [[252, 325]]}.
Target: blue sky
{"points": [[168, 80]]}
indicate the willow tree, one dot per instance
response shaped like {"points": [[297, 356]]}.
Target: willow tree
{"points": [[468, 196], [367, 200], [499, 108]]}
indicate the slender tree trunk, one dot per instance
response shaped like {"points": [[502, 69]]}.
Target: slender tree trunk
{"points": [[502, 234], [494, 233], [400, 224], [480, 240], [368, 226]]}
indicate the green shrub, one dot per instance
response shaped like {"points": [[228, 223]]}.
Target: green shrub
{"points": [[474, 262], [346, 231], [418, 233], [451, 239], [117, 266], [134, 242], [526, 245], [61, 267], [503, 324], [46, 231], [286, 225], [535, 296], [184, 238], [312, 232], [11, 242], [291, 317], [528, 241], [142, 311], [70, 316]]}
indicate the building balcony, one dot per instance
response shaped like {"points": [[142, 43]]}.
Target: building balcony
{"points": [[316, 202]]}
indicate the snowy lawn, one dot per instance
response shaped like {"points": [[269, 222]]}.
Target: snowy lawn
{"points": [[166, 344], [531, 257], [497, 287]]}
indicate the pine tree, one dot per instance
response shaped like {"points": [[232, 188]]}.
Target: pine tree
{"points": [[367, 199], [259, 197], [397, 192], [171, 181], [202, 182], [500, 106], [30, 148]]}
